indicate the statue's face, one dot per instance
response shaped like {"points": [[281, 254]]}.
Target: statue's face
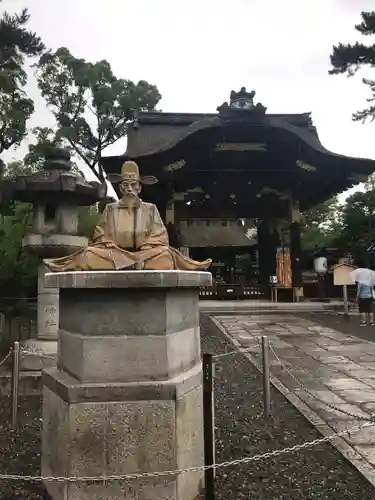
{"points": [[130, 189]]}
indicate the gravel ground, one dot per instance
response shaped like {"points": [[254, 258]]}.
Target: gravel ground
{"points": [[20, 450], [315, 474]]}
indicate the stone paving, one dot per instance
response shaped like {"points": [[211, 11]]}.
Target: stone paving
{"points": [[332, 373], [255, 306]]}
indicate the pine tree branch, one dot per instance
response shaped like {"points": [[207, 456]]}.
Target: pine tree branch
{"points": [[367, 26], [350, 58]]}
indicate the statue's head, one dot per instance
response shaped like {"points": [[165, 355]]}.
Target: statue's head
{"points": [[129, 180]]}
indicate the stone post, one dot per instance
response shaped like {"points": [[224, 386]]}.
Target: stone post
{"points": [[41, 352], [126, 395], [47, 308]]}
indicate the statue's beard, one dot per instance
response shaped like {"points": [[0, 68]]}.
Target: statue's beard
{"points": [[130, 198]]}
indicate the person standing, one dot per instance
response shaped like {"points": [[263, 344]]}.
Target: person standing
{"points": [[365, 298]]}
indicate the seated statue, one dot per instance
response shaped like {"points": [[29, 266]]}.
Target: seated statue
{"points": [[130, 235]]}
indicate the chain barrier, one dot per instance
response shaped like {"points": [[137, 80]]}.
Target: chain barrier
{"points": [[6, 357], [140, 475], [371, 418], [28, 353], [240, 350], [244, 460], [40, 354]]}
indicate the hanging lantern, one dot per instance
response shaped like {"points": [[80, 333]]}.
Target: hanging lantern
{"points": [[320, 265]]}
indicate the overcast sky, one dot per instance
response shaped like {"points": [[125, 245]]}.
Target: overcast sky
{"points": [[197, 51]]}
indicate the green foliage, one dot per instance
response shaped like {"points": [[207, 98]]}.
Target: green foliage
{"points": [[18, 269], [91, 106], [16, 168], [16, 43], [358, 224], [15, 110], [88, 217], [320, 226], [45, 138], [13, 170], [349, 58]]}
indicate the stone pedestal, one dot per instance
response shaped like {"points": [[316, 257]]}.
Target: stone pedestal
{"points": [[41, 352], [48, 308], [126, 395]]}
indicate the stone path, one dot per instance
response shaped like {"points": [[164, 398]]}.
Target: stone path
{"points": [[332, 373]]}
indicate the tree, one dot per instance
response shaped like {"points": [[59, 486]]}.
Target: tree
{"points": [[349, 58], [18, 269], [45, 138], [88, 218], [320, 225], [15, 169], [358, 224], [91, 106], [16, 43]]}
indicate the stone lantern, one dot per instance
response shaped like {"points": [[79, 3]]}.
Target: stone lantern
{"points": [[55, 192]]}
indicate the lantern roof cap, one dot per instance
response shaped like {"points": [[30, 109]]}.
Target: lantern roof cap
{"points": [[56, 182]]}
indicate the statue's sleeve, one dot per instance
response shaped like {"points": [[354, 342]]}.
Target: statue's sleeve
{"points": [[98, 235], [158, 234]]}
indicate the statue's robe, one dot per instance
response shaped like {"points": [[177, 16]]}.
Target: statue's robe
{"points": [[127, 237]]}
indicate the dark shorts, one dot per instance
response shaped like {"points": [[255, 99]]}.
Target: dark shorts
{"points": [[365, 305]]}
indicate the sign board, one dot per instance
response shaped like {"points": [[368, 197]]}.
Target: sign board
{"points": [[341, 274]]}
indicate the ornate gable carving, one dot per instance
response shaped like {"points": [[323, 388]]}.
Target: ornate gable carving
{"points": [[241, 106]]}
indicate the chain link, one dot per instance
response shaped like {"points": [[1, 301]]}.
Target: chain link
{"points": [[371, 418], [239, 461], [6, 357], [235, 351], [29, 353], [40, 354]]}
